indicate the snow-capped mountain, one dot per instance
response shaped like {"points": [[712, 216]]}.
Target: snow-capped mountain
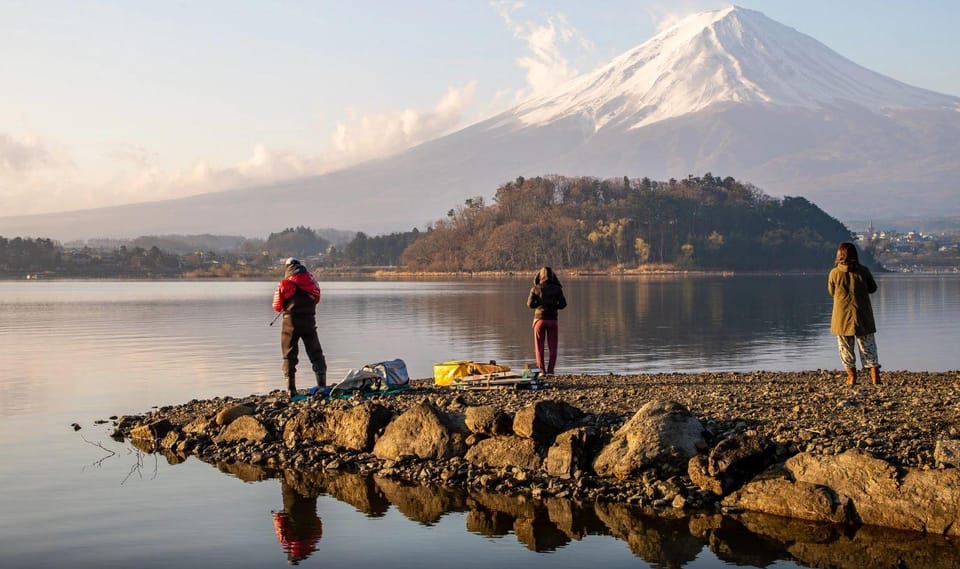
{"points": [[725, 56], [730, 92]]}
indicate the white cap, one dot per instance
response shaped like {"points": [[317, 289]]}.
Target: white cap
{"points": [[291, 261]]}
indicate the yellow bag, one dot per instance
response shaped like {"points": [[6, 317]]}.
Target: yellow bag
{"points": [[445, 372]]}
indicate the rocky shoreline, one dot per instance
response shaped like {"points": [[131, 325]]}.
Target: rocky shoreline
{"points": [[796, 444]]}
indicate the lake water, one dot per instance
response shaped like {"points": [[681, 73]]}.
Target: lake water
{"points": [[81, 351]]}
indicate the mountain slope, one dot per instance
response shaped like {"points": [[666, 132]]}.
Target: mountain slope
{"points": [[730, 92], [725, 56]]}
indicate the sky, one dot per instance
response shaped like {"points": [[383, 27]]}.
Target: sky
{"points": [[104, 103]]}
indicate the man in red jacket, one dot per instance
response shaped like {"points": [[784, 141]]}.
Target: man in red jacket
{"points": [[297, 296]]}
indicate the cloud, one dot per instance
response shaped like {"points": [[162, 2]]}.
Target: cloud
{"points": [[664, 15], [35, 174], [545, 65], [144, 180], [377, 135], [23, 156], [360, 138], [38, 177]]}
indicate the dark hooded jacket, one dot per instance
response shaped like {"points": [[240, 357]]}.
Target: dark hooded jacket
{"points": [[546, 296]]}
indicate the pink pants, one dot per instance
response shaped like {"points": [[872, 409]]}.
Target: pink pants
{"points": [[545, 336]]}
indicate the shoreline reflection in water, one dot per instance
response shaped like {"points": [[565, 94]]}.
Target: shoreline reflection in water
{"points": [[667, 540]]}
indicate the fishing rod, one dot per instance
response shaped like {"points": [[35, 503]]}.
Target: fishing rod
{"points": [[279, 314]]}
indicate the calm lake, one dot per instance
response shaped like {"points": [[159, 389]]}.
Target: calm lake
{"points": [[82, 351]]}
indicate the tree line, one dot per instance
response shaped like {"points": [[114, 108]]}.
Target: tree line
{"points": [[700, 222], [703, 222], [176, 256]]}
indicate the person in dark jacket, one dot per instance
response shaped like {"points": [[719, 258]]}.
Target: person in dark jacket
{"points": [[297, 296], [547, 298], [851, 284]]}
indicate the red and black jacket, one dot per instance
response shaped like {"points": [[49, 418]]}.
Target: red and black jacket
{"points": [[298, 293]]}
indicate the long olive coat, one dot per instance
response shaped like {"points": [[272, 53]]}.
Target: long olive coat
{"points": [[851, 289]]}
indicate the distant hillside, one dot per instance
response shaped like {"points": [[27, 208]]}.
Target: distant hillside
{"points": [[185, 244], [703, 222]]}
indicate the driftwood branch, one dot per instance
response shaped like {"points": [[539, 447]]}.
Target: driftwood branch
{"points": [[137, 468], [99, 445]]}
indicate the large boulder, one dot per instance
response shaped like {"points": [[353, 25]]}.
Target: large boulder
{"points": [[505, 451], [201, 425], [732, 462], [245, 428], [308, 425], [544, 420], [924, 500], [869, 490], [228, 414], [572, 450], [357, 428], [774, 493], [423, 432], [151, 433], [947, 452], [662, 435], [488, 420]]}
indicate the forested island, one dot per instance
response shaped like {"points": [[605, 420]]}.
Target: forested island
{"points": [[575, 223]]}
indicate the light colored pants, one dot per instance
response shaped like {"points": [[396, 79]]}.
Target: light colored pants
{"points": [[868, 350]]}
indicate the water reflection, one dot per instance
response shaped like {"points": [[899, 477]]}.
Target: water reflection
{"points": [[297, 525], [544, 525], [643, 323]]}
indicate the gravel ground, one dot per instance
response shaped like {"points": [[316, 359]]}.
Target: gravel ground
{"points": [[899, 421], [813, 411]]}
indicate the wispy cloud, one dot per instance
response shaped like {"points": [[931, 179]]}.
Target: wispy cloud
{"points": [[665, 14], [39, 177], [23, 156], [35, 174], [545, 65], [380, 134]]}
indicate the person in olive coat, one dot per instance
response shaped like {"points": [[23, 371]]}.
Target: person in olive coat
{"points": [[546, 296], [851, 284]]}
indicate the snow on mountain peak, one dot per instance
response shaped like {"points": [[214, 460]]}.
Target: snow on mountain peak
{"points": [[733, 55]]}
